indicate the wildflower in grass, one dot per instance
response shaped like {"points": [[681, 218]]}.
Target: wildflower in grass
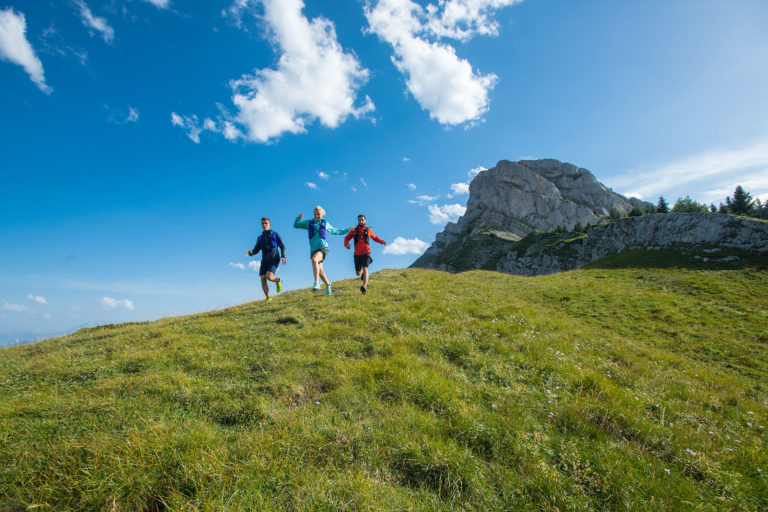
{"points": [[750, 413], [729, 449], [711, 433], [690, 452], [749, 424], [759, 470], [667, 471], [317, 402], [493, 406]]}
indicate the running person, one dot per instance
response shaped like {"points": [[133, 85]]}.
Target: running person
{"points": [[361, 233], [267, 243], [318, 229]]}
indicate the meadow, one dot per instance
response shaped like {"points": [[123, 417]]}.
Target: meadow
{"points": [[615, 387]]}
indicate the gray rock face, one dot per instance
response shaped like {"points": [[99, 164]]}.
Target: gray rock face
{"points": [[649, 232], [516, 198]]}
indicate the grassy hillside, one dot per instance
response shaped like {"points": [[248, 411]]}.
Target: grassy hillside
{"points": [[598, 389]]}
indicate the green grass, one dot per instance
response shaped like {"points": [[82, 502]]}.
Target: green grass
{"points": [[599, 389]]}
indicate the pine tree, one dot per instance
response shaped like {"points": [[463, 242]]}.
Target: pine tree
{"points": [[742, 202], [662, 206]]}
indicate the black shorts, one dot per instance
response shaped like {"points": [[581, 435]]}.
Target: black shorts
{"points": [[324, 250], [361, 261], [269, 265]]}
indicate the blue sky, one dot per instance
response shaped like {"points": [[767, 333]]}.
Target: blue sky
{"points": [[142, 140]]}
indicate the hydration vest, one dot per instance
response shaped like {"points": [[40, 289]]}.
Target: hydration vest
{"points": [[312, 228], [364, 235], [268, 245]]}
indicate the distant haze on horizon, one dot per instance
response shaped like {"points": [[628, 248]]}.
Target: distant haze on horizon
{"points": [[142, 141]]}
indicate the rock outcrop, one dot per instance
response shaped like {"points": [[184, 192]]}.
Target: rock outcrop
{"points": [[513, 201]]}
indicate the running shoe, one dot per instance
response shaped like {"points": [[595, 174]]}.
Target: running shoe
{"points": [[328, 289], [362, 290], [269, 299], [279, 286], [316, 286]]}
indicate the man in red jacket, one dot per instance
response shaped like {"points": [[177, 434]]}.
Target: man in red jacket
{"points": [[362, 233]]}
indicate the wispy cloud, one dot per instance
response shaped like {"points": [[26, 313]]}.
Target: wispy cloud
{"points": [[365, 183], [162, 4], [323, 176], [708, 176], [402, 246], [19, 308], [95, 22], [311, 185], [190, 124], [411, 186], [121, 116], [477, 170], [315, 79], [406, 159], [441, 82], [237, 265], [445, 213], [254, 265], [353, 188], [37, 298], [110, 303], [423, 199], [15, 48]]}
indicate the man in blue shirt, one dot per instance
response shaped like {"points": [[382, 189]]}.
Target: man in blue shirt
{"points": [[268, 243]]}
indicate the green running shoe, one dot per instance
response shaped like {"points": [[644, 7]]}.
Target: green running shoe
{"points": [[328, 290], [269, 299], [316, 286], [279, 286]]}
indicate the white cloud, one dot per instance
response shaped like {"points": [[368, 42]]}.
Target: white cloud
{"points": [[315, 80], [235, 11], [15, 48], [477, 170], [20, 308], [110, 303], [120, 116], [311, 185], [237, 265], [445, 213], [637, 195], [406, 159], [365, 184], [426, 198], [37, 298], [323, 176], [441, 82], [163, 4], [459, 189], [707, 177], [190, 124], [411, 186], [406, 246], [96, 22], [353, 188], [254, 265]]}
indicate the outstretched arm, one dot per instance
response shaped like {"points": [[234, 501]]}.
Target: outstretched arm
{"points": [[375, 238], [348, 238], [332, 230], [301, 224]]}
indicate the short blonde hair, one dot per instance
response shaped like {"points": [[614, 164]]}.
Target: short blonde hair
{"points": [[321, 209]]}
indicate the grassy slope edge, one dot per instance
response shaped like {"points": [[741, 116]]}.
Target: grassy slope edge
{"points": [[621, 388]]}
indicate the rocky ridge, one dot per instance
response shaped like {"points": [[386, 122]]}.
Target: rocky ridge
{"points": [[511, 204]]}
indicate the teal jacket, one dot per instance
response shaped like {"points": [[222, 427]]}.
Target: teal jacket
{"points": [[316, 243]]}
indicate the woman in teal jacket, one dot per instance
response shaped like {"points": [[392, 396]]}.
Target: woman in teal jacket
{"points": [[318, 229]]}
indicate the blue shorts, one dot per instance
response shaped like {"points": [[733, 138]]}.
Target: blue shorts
{"points": [[269, 265]]}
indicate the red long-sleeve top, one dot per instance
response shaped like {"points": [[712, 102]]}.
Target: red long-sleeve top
{"points": [[361, 246]]}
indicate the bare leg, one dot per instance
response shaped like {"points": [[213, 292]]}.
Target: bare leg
{"points": [[271, 277], [365, 277], [316, 264], [264, 286], [322, 275]]}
